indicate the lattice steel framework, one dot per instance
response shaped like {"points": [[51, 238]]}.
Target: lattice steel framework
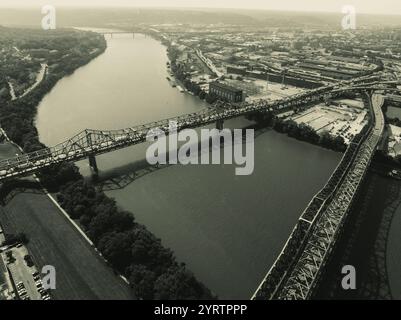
{"points": [[296, 271], [89, 143]]}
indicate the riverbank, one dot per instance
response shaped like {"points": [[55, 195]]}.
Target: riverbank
{"points": [[16, 116], [201, 212], [148, 275], [53, 240], [36, 212]]}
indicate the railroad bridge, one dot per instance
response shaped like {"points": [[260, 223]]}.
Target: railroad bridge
{"points": [[111, 33]]}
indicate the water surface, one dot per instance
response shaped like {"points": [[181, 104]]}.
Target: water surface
{"points": [[227, 228]]}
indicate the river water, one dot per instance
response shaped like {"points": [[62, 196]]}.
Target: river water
{"points": [[228, 229]]}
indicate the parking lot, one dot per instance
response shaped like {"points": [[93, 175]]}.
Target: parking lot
{"points": [[345, 121], [25, 277]]}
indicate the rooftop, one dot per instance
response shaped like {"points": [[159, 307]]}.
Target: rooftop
{"points": [[225, 87]]}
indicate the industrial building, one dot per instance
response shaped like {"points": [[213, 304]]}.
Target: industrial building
{"points": [[225, 92]]}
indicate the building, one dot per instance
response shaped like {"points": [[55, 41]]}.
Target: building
{"points": [[394, 99], [330, 71], [236, 70], [225, 92], [278, 78]]}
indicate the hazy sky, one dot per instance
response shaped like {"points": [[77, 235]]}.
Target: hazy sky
{"points": [[362, 6]]}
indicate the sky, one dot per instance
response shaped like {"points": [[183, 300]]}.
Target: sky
{"points": [[362, 6]]}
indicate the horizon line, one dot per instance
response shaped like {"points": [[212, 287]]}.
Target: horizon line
{"points": [[106, 6]]}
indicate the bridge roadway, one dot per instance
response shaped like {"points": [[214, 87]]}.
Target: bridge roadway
{"points": [[89, 143], [115, 32], [299, 266]]}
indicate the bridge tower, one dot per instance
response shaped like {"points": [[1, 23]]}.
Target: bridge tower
{"points": [[93, 164], [220, 124], [92, 158]]}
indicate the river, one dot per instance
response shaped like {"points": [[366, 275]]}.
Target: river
{"points": [[228, 229]]}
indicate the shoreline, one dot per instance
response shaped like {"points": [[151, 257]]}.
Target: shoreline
{"points": [[90, 61], [40, 78], [172, 269]]}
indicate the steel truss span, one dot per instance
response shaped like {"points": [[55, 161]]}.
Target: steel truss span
{"points": [[296, 271], [89, 143]]}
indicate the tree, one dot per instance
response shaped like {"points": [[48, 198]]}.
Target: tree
{"points": [[202, 95], [210, 99], [59, 174], [109, 218], [325, 139], [116, 248], [142, 280], [179, 284], [339, 144]]}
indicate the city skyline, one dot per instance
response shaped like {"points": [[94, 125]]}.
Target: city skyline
{"points": [[387, 7]]}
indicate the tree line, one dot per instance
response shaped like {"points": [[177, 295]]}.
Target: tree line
{"points": [[306, 133], [17, 117], [128, 246]]}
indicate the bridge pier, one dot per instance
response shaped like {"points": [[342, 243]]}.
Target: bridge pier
{"points": [[220, 124], [93, 164]]}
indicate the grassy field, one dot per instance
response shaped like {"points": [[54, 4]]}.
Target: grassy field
{"points": [[81, 273]]}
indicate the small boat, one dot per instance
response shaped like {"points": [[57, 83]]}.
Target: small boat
{"points": [[168, 78]]}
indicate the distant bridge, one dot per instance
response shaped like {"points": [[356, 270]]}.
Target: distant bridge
{"points": [[90, 143], [111, 33], [297, 270]]}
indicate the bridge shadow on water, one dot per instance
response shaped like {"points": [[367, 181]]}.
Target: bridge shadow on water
{"points": [[363, 243], [113, 179], [121, 177]]}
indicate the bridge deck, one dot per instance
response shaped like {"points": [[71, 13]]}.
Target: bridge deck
{"points": [[93, 142], [321, 218]]}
